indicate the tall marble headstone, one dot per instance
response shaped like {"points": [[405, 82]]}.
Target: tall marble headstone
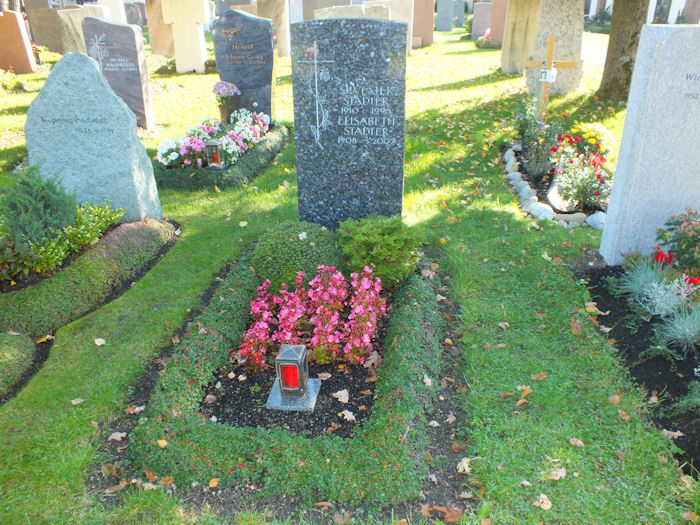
{"points": [[119, 51], [657, 168], [459, 13], [423, 22], [519, 34], [278, 12], [92, 145], [401, 11], [498, 21], [482, 19], [187, 18], [15, 48], [445, 15], [244, 56], [349, 78], [296, 11], [160, 34]]}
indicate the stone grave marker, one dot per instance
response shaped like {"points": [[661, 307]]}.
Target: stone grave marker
{"points": [[657, 168], [423, 22], [380, 12], [187, 18], [296, 11], [244, 56], [349, 112], [119, 51], [116, 9], [519, 34], [251, 9], [15, 48], [310, 6], [278, 12], [60, 30], [482, 19], [459, 13], [400, 11], [498, 21], [92, 145], [445, 15], [160, 33]]}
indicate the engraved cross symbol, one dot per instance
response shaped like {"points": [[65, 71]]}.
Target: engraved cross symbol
{"points": [[321, 113]]}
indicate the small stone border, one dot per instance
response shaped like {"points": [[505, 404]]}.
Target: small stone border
{"points": [[540, 210]]}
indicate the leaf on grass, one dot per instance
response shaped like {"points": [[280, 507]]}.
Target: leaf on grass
{"points": [[546, 257], [323, 505], [457, 447], [654, 397], [591, 308], [148, 486], [167, 480], [150, 475], [116, 436], [115, 488], [77, 401], [175, 339], [543, 502], [593, 320], [427, 381], [521, 402], [243, 224], [162, 443], [342, 519], [524, 390], [557, 474], [10, 332], [623, 415], [99, 342], [464, 467], [216, 189], [323, 376], [539, 377], [672, 434], [347, 415], [341, 395], [525, 483], [213, 483], [576, 326], [690, 516], [504, 324], [507, 394], [575, 442], [615, 398]]}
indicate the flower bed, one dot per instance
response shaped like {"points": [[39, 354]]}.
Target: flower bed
{"points": [[174, 442]]}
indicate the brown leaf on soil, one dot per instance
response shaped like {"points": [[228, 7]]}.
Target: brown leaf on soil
{"points": [[539, 377], [623, 415], [425, 510], [213, 483], [615, 398], [334, 426], [672, 434], [453, 515], [457, 447], [372, 376], [461, 388], [150, 475], [654, 397], [575, 442], [576, 326], [543, 502], [366, 392], [323, 376], [167, 480], [374, 360], [115, 488], [116, 436], [133, 409], [109, 469], [323, 505]]}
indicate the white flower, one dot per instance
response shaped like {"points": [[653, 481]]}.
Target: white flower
{"points": [[302, 236]]}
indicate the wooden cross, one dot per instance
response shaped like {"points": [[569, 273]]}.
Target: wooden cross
{"points": [[548, 74]]}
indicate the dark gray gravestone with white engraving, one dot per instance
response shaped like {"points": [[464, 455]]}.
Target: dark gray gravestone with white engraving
{"points": [[244, 56], [349, 78], [119, 51]]}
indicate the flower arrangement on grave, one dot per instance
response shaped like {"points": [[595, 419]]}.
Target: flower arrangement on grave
{"points": [[337, 318], [245, 130], [225, 95]]}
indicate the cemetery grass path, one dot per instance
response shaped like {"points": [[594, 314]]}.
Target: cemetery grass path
{"points": [[456, 195]]}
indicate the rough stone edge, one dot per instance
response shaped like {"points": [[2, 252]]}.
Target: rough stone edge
{"points": [[539, 210]]}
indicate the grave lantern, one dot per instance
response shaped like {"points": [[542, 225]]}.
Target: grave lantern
{"points": [[215, 155], [292, 370]]}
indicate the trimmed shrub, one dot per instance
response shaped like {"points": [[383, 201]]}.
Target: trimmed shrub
{"points": [[385, 242], [288, 248], [35, 207]]}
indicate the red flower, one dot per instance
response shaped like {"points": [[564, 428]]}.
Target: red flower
{"points": [[578, 139], [693, 280], [565, 115], [660, 256], [554, 149], [670, 258], [597, 193], [560, 139], [602, 181]]}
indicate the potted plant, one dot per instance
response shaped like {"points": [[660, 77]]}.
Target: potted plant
{"points": [[226, 95]]}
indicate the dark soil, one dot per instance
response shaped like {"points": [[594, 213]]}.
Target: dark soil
{"points": [[669, 379]]}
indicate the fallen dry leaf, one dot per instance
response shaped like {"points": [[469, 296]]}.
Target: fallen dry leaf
{"points": [[654, 397], [543, 502], [575, 442], [457, 447], [77, 401], [539, 377], [342, 519], [485, 521], [604, 329], [623, 415], [427, 381], [209, 399], [148, 486], [213, 483], [366, 392], [524, 390], [591, 308], [323, 376], [504, 324], [116, 436], [521, 402], [115, 488], [453, 515], [323, 505], [672, 434], [243, 224], [615, 398], [450, 418], [99, 342], [341, 395], [690, 516], [347, 415], [150, 475], [162, 443], [507, 394], [525, 483], [557, 474], [464, 467], [133, 409], [167, 480], [373, 361], [576, 326]]}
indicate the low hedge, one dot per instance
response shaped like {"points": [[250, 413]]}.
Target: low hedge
{"points": [[251, 164], [84, 285], [377, 465], [16, 352]]}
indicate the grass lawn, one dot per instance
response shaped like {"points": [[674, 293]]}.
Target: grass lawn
{"points": [[516, 309]]}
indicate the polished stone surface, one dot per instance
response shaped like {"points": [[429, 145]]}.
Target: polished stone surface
{"points": [[306, 403]]}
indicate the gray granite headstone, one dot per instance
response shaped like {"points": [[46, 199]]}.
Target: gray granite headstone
{"points": [[657, 168], [119, 51], [445, 14], [244, 56], [91, 145], [349, 78], [459, 13]]}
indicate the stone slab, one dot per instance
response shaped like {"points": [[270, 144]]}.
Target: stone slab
{"points": [[117, 13], [187, 18], [657, 168], [349, 78], [91, 146], [296, 11], [424, 21], [15, 47], [120, 53], [482, 19], [312, 5], [306, 403], [498, 21], [459, 13], [244, 56], [400, 11], [445, 15], [519, 34], [159, 33], [60, 30], [380, 12], [251, 9], [278, 12]]}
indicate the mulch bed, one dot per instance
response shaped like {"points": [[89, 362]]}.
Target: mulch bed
{"points": [[669, 379]]}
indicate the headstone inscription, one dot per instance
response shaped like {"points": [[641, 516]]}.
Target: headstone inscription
{"points": [[657, 168], [445, 15], [187, 18], [349, 111], [15, 48], [92, 146], [244, 56], [119, 51]]}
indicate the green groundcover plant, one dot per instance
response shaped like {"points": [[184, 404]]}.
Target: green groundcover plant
{"points": [[681, 236], [171, 440]]}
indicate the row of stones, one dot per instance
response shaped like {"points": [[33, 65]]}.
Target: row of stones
{"points": [[540, 210]]}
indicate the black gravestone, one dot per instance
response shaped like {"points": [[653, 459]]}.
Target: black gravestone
{"points": [[349, 78], [244, 57], [119, 51]]}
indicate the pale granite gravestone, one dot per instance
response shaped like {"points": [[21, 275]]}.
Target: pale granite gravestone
{"points": [[15, 48], [278, 12], [119, 51], [459, 13], [187, 18], [296, 11], [498, 21], [482, 19], [423, 22], [380, 12], [116, 10], [60, 30], [519, 34], [92, 145], [445, 15], [657, 168], [159, 33], [251, 9], [401, 11], [244, 56], [310, 6], [349, 118]]}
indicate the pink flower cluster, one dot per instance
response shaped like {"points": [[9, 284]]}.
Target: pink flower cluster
{"points": [[191, 150], [344, 317]]}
